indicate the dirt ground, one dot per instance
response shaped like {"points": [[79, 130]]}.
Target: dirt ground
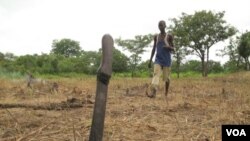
{"points": [[194, 110]]}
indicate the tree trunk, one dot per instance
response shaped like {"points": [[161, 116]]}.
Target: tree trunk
{"points": [[132, 73], [238, 61], [133, 70], [203, 64], [178, 65], [134, 67], [247, 64], [178, 71], [207, 64]]}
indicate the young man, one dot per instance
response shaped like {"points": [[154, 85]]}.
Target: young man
{"points": [[163, 44]]}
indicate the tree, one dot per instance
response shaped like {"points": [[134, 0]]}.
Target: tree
{"points": [[192, 65], [136, 47], [144, 70], [215, 67], [202, 30], [1, 56], [244, 48], [120, 61], [26, 63], [235, 60], [9, 56], [92, 60], [179, 43], [66, 47]]}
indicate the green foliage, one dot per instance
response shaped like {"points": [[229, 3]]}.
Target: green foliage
{"points": [[121, 74], [87, 63], [120, 61], [10, 75], [231, 50], [70, 63], [179, 43], [201, 31], [244, 45], [136, 47], [143, 66], [90, 61], [186, 74], [215, 67], [66, 65], [66, 47], [192, 65], [235, 62], [49, 65], [25, 63], [1, 57], [195, 66], [244, 48], [9, 56], [233, 66]]}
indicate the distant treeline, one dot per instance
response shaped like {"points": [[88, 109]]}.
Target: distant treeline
{"points": [[88, 62]]}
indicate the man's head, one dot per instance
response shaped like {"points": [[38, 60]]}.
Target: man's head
{"points": [[162, 25]]}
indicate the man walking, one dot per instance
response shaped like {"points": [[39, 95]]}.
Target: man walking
{"points": [[163, 45]]}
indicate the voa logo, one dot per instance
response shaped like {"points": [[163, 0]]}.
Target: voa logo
{"points": [[236, 132]]}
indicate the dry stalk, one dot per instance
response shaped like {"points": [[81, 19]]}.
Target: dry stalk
{"points": [[17, 122], [74, 132], [178, 126], [12, 116], [9, 139], [34, 132], [51, 133]]}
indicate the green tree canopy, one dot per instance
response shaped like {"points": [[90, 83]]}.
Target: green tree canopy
{"points": [[235, 61], [179, 43], [66, 47], [244, 48], [1, 57], [120, 61], [136, 47], [202, 30]]}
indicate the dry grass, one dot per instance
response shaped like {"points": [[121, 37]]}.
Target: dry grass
{"points": [[194, 110]]}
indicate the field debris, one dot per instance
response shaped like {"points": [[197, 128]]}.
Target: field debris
{"points": [[69, 103], [195, 109]]}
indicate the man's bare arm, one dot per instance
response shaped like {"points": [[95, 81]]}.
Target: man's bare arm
{"points": [[169, 42], [153, 51]]}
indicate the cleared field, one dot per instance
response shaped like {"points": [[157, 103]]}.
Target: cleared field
{"points": [[194, 110]]}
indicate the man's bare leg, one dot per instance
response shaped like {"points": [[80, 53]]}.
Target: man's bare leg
{"points": [[167, 83]]}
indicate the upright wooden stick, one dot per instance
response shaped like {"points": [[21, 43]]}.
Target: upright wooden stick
{"points": [[103, 75]]}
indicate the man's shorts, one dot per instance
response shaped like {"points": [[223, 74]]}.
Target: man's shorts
{"points": [[158, 71]]}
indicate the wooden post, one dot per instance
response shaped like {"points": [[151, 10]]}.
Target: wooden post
{"points": [[103, 75]]}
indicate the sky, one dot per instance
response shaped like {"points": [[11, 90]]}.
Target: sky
{"points": [[30, 26]]}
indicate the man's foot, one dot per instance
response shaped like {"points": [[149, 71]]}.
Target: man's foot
{"points": [[152, 93]]}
